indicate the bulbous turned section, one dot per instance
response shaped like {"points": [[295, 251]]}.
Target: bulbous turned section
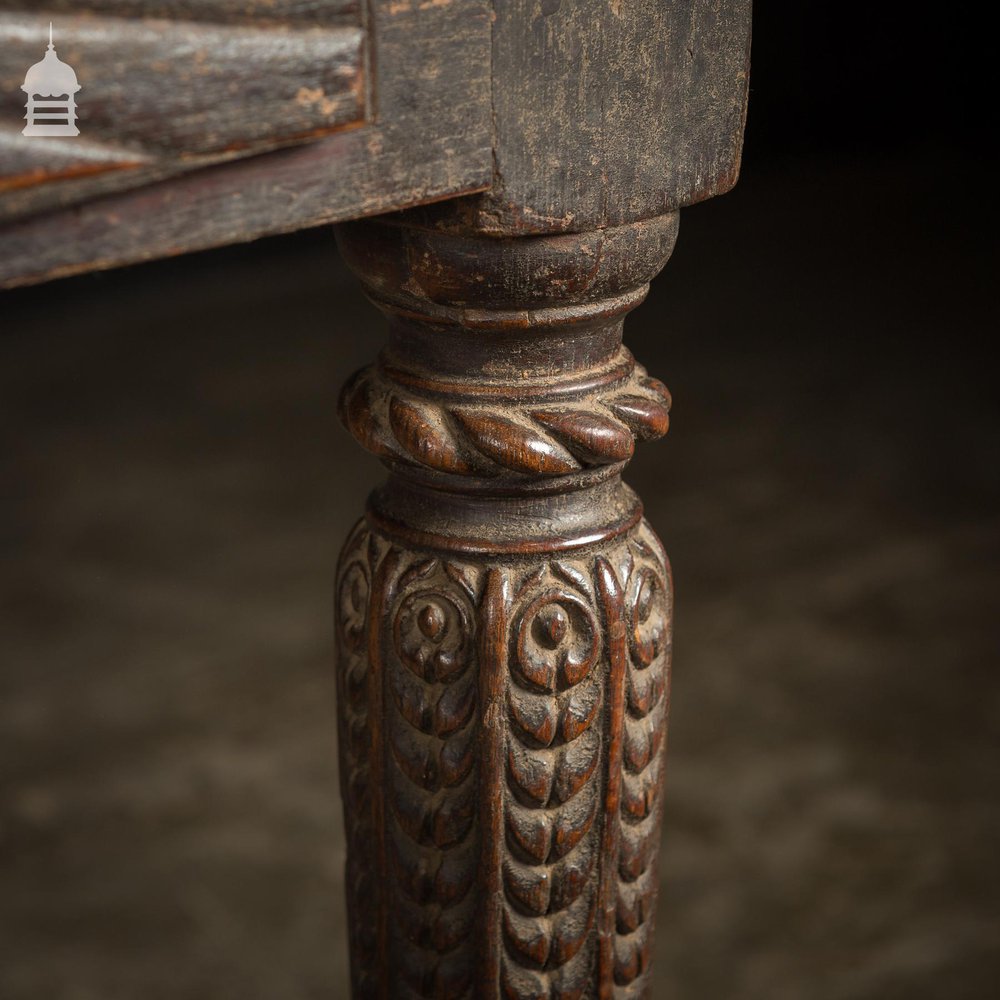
{"points": [[504, 363], [479, 282], [503, 620]]}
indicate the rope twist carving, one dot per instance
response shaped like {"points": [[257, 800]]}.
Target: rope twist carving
{"points": [[493, 437]]}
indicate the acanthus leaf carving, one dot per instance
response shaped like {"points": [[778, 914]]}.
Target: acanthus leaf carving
{"points": [[552, 809], [648, 605]]}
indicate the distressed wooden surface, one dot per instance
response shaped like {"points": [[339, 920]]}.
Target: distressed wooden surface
{"points": [[503, 620], [575, 116], [299, 13], [429, 137], [503, 612], [164, 95], [607, 111]]}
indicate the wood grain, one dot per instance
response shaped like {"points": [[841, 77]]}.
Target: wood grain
{"points": [[260, 13], [576, 116], [606, 112], [428, 138], [163, 96]]}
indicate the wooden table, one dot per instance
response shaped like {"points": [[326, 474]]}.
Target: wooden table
{"points": [[503, 611]]}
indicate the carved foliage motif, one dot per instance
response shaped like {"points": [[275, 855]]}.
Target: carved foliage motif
{"points": [[647, 609], [430, 679], [417, 773], [552, 798], [598, 427], [352, 599]]}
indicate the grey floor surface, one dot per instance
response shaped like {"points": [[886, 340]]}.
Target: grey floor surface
{"points": [[174, 490]]}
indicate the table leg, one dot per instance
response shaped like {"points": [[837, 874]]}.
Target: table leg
{"points": [[503, 619]]}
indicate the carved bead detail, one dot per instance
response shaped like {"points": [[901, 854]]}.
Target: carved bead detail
{"points": [[503, 436], [417, 832]]}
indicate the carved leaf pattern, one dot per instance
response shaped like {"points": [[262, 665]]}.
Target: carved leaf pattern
{"points": [[648, 611], [552, 801], [352, 593], [552, 798], [431, 780]]}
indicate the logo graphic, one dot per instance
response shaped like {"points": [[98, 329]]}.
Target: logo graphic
{"points": [[50, 86]]}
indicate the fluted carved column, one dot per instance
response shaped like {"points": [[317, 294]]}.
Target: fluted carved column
{"points": [[503, 619]]}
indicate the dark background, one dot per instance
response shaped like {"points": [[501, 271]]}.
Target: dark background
{"points": [[175, 488]]}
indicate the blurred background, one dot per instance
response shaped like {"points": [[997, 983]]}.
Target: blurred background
{"points": [[175, 488]]}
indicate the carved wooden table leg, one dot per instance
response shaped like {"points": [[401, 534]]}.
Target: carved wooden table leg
{"points": [[503, 619]]}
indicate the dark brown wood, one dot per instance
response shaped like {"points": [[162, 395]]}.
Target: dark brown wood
{"points": [[607, 111], [505, 408], [519, 616], [503, 610], [575, 116], [172, 87], [427, 135], [164, 95], [299, 13]]}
